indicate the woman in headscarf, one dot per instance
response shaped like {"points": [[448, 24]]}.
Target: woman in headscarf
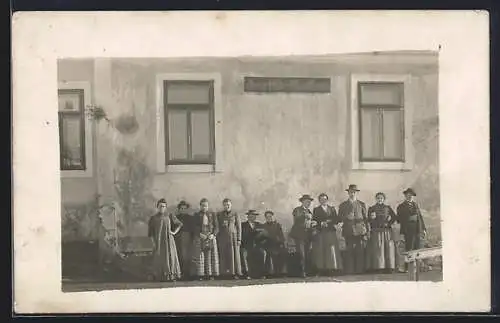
{"points": [[184, 239], [381, 248], [205, 252], [166, 265], [326, 254]]}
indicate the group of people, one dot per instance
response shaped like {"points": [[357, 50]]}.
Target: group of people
{"points": [[208, 245]]}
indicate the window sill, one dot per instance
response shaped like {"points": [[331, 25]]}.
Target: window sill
{"points": [[76, 173], [397, 166], [196, 168]]}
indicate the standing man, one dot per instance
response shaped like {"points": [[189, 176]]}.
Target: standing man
{"points": [[412, 223], [355, 230], [301, 232], [229, 239]]}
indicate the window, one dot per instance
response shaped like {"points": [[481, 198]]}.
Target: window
{"points": [[71, 129], [75, 132], [381, 111], [381, 121], [189, 122]]}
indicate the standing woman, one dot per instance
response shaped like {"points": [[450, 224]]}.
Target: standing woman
{"points": [[325, 245], [205, 253], [381, 249], [184, 239], [166, 265], [229, 240]]}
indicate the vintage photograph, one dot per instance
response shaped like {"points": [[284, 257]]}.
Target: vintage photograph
{"points": [[249, 170]]}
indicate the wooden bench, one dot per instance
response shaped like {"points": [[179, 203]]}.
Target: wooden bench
{"points": [[414, 257]]}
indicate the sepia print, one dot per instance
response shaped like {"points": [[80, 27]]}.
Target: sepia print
{"points": [[250, 162], [239, 171]]}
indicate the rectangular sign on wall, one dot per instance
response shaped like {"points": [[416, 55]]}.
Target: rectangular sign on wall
{"points": [[286, 85]]}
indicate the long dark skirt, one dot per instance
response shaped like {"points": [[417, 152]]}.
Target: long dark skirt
{"points": [[184, 243], [381, 250], [326, 251], [205, 262], [355, 255]]}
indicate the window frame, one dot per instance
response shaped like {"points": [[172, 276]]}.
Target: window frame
{"points": [[215, 164], [380, 108], [189, 108], [87, 171], [407, 113]]}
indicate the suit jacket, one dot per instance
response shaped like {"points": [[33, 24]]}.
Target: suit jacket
{"points": [[229, 223], [410, 218], [329, 217], [197, 223], [252, 237], [299, 230], [354, 218]]}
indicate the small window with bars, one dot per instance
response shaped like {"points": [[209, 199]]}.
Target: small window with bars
{"points": [[189, 122], [381, 121]]}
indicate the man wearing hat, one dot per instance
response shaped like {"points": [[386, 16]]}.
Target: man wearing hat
{"points": [[355, 230], [252, 252], [301, 232], [412, 223]]}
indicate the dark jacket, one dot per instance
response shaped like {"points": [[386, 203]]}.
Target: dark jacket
{"points": [[252, 237], [384, 216], [357, 226], [329, 217], [198, 222], [299, 231], [275, 236], [410, 218]]}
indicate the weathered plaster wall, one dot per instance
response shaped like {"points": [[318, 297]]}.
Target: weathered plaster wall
{"points": [[275, 146], [78, 195]]}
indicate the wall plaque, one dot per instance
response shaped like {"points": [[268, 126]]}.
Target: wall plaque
{"points": [[286, 85]]}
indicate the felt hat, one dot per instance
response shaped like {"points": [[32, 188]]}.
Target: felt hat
{"points": [[306, 197], [409, 191], [352, 187], [252, 212]]}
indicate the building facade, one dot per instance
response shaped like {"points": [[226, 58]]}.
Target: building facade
{"points": [[261, 131]]}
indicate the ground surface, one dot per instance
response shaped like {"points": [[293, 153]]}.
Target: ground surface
{"points": [[80, 286]]}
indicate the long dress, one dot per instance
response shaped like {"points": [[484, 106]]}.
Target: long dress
{"points": [[326, 254], [184, 241], [229, 240], [205, 251], [381, 248], [355, 230], [274, 246], [165, 259]]}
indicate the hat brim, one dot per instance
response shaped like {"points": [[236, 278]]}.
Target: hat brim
{"points": [[306, 198], [352, 189], [409, 192]]}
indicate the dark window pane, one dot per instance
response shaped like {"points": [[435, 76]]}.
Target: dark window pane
{"points": [[69, 101], [382, 93], [177, 126], [200, 127], [371, 141], [71, 142], [393, 134], [188, 93]]}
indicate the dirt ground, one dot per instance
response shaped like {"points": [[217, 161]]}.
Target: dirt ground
{"points": [[81, 286]]}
